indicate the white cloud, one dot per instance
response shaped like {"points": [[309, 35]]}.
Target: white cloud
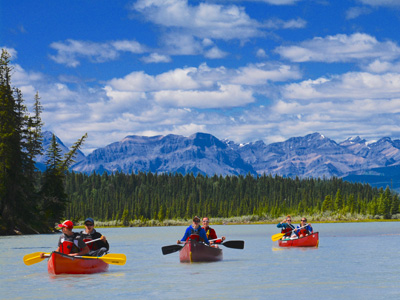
{"points": [[71, 51], [129, 46], [224, 96], [281, 24], [340, 48], [215, 52], [205, 20], [352, 85], [156, 58], [355, 12], [261, 53], [389, 3]]}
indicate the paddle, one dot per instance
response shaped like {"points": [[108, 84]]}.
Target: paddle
{"points": [[111, 258], [92, 241], [233, 244], [34, 258], [278, 236], [171, 249]]}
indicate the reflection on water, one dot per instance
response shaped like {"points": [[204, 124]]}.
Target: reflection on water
{"points": [[350, 262]]}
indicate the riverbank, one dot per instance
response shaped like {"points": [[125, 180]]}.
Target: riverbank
{"points": [[247, 220]]}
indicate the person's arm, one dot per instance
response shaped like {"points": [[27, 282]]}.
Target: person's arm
{"points": [[310, 229], [103, 242], [185, 236], [84, 251], [281, 225], [203, 235]]}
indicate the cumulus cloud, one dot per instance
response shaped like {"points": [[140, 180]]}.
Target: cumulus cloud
{"points": [[205, 20], [224, 96], [352, 85], [340, 48]]}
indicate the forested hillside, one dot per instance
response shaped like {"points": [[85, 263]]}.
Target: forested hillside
{"points": [[147, 196]]}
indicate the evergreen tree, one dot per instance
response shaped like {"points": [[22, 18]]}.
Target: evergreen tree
{"points": [[18, 148]]}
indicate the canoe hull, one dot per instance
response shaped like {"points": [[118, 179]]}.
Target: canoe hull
{"points": [[194, 251], [311, 240], [60, 263]]}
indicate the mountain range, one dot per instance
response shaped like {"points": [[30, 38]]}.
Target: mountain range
{"points": [[313, 155]]}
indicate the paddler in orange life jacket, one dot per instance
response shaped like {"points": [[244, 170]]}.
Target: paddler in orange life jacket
{"points": [[97, 248], [196, 229], [287, 227], [70, 243], [210, 232]]}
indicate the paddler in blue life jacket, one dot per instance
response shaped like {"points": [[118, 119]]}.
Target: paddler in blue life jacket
{"points": [[99, 247], [287, 227], [70, 242], [304, 229], [196, 229]]}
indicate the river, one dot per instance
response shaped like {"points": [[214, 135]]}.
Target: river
{"points": [[353, 261]]}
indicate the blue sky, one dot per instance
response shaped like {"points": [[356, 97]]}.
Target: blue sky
{"points": [[240, 70]]}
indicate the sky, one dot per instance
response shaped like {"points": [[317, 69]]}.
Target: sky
{"points": [[240, 70]]}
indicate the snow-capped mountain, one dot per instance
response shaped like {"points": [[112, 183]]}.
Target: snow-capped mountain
{"points": [[313, 155]]}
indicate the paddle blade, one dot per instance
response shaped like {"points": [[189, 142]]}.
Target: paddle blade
{"points": [[234, 244], [277, 236], [171, 249], [111, 258], [34, 258]]}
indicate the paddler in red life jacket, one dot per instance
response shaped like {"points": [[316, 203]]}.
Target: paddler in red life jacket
{"points": [[304, 229], [287, 227], [97, 248], [210, 232], [195, 229], [70, 243]]}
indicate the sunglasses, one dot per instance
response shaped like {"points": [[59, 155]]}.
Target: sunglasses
{"points": [[304, 220], [289, 220], [197, 221], [87, 224]]}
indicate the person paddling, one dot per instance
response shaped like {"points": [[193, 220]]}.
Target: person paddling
{"points": [[287, 227], [303, 229], [70, 243], [99, 247], [196, 229], [210, 232]]}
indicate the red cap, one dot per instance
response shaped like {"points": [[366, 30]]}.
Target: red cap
{"points": [[67, 224]]}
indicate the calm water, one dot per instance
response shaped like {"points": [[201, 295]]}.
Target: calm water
{"points": [[353, 261]]}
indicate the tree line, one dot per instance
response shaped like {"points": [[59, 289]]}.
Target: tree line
{"points": [[148, 196]]}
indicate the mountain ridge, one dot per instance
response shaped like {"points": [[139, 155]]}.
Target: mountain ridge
{"points": [[313, 155]]}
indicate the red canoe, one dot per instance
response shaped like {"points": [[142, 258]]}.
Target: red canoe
{"points": [[195, 251], [311, 240], [60, 263]]}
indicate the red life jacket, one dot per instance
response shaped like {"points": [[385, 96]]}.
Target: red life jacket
{"points": [[194, 237], [287, 230], [90, 245], [303, 232], [66, 247]]}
